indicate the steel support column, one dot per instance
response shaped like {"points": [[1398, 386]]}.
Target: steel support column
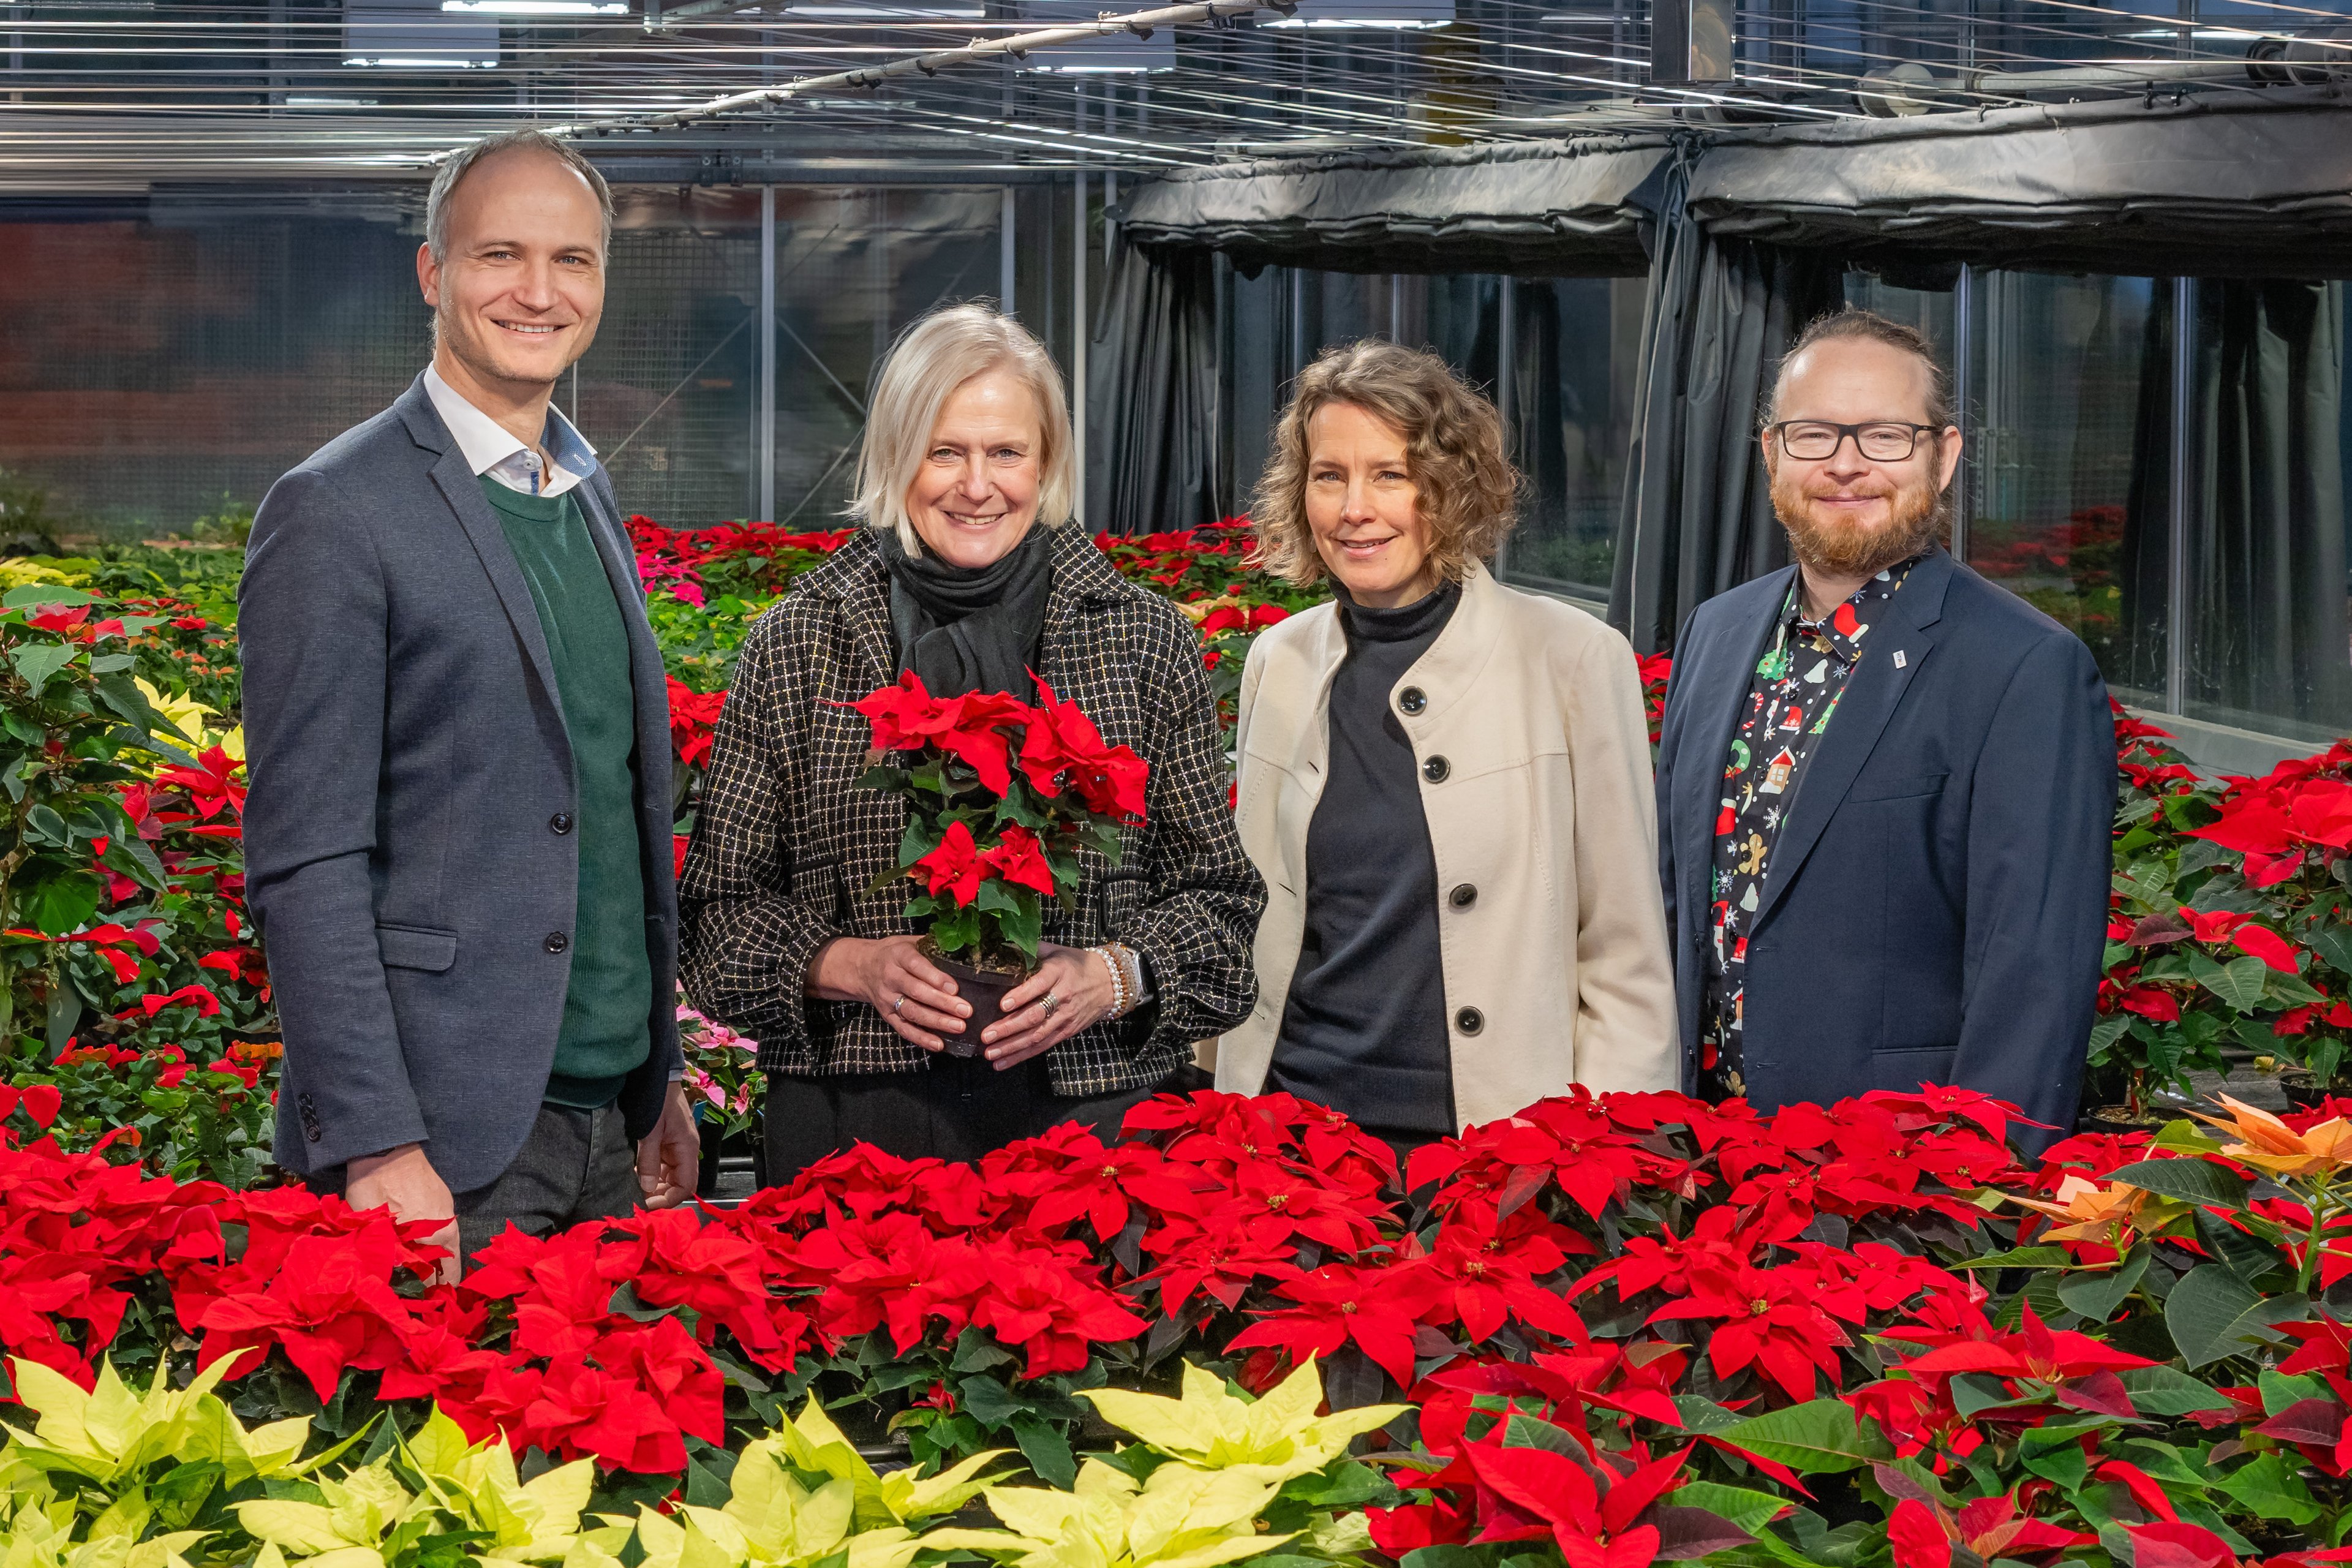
{"points": [[2184, 471], [767, 353]]}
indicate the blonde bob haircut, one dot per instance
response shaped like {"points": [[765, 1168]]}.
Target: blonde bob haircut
{"points": [[1469, 493], [930, 360]]}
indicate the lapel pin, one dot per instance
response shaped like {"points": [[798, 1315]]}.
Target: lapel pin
{"points": [[1899, 660]]}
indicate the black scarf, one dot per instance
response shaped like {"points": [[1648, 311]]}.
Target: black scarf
{"points": [[970, 630]]}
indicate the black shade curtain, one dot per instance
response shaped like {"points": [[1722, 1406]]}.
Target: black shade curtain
{"points": [[1152, 393], [1569, 209], [1697, 513], [2217, 185], [2267, 629]]}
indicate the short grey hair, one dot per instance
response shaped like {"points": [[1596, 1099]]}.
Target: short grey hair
{"points": [[445, 182], [932, 358]]}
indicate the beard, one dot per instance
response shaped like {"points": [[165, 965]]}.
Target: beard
{"points": [[1919, 515]]}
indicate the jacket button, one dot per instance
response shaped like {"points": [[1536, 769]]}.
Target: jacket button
{"points": [[1413, 699], [1469, 1020], [560, 822], [1435, 769], [1462, 897], [557, 941]]}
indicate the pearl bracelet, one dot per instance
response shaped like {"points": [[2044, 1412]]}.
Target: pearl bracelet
{"points": [[1118, 992]]}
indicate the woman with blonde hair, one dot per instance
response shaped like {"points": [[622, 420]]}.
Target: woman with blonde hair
{"points": [[1445, 783], [966, 576]]}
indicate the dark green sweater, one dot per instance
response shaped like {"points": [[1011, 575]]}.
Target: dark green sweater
{"points": [[608, 1005]]}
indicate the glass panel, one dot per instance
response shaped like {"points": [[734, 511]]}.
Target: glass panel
{"points": [[210, 347], [149, 367], [1577, 353], [1928, 310], [854, 267], [2266, 585], [1278, 322], [670, 389], [1571, 396], [2069, 456]]}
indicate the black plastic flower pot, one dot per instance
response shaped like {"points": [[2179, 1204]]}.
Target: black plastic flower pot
{"points": [[984, 989]]}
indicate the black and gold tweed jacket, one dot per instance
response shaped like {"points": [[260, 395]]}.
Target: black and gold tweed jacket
{"points": [[785, 846]]}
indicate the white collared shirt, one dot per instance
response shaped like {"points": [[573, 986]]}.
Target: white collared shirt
{"points": [[489, 447]]}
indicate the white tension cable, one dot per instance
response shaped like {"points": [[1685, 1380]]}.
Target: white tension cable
{"points": [[1014, 47]]}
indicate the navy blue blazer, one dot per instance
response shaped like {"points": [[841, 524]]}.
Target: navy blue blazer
{"points": [[408, 843], [1935, 909]]}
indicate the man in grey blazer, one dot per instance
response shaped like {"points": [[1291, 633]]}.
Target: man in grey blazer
{"points": [[457, 839]]}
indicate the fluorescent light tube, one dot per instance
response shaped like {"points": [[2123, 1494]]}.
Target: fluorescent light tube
{"points": [[539, 7]]}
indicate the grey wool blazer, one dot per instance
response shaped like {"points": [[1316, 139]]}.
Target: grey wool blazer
{"points": [[409, 852]]}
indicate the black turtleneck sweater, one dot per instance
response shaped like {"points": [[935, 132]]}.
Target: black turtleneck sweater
{"points": [[1363, 1030]]}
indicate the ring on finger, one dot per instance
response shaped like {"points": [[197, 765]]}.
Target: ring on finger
{"points": [[901, 1002], [1050, 1004]]}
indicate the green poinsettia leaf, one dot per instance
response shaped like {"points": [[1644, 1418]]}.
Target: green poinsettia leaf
{"points": [[1820, 1437], [2192, 1181], [37, 662]]}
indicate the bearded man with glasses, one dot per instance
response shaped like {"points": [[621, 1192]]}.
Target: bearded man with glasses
{"points": [[1884, 785]]}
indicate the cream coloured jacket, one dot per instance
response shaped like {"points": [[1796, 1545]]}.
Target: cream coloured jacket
{"points": [[1526, 719]]}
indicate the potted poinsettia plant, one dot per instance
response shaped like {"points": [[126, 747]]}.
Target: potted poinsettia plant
{"points": [[1001, 797]]}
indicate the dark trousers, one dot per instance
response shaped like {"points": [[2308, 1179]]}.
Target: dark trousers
{"points": [[958, 1109], [575, 1165]]}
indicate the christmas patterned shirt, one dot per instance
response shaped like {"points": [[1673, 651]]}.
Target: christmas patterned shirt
{"points": [[1790, 704]]}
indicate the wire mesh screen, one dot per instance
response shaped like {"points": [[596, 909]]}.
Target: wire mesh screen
{"points": [[1573, 351], [854, 267], [669, 391], [1577, 344], [2069, 383], [149, 369]]}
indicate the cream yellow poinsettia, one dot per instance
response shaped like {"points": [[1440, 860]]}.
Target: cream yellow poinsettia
{"points": [[345, 1531], [1184, 1517], [36, 1531], [185, 715], [811, 1442], [1278, 1437], [474, 1485], [527, 1521], [110, 1433], [772, 1522], [185, 718], [17, 573], [598, 1548]]}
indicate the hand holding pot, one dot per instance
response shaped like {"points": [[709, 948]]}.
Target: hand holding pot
{"points": [[1079, 984], [880, 972]]}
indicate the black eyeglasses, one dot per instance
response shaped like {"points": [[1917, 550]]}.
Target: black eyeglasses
{"points": [[1880, 440]]}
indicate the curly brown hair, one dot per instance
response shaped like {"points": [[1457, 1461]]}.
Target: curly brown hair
{"points": [[1454, 449]]}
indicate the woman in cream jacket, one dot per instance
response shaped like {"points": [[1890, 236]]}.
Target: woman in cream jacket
{"points": [[1445, 783]]}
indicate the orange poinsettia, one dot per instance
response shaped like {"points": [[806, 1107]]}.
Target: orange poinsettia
{"points": [[2107, 1215], [2272, 1145]]}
